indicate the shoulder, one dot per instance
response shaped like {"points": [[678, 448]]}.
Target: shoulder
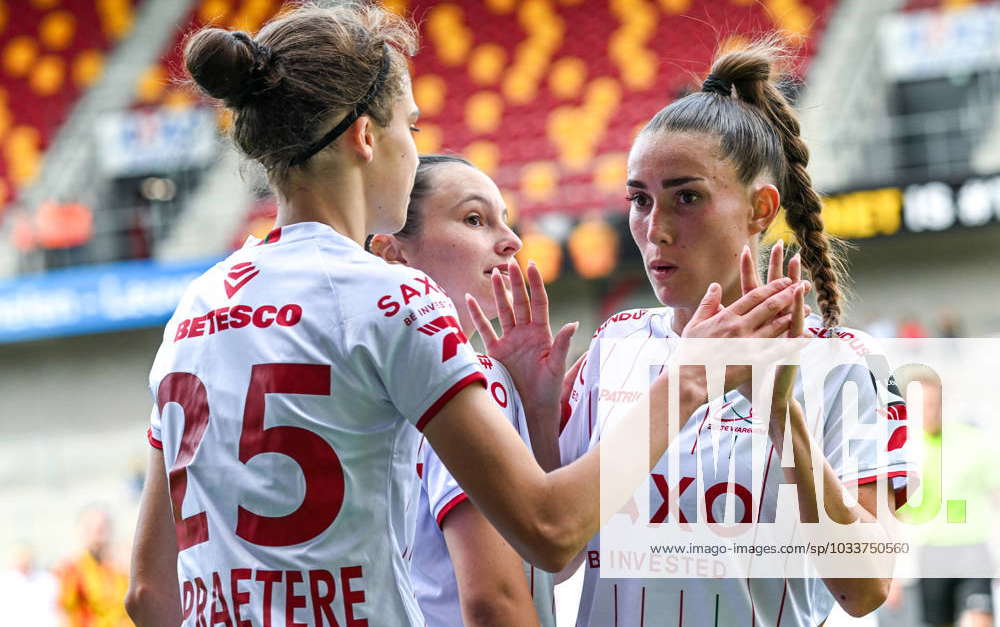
{"points": [[625, 323], [858, 342], [854, 349], [390, 290], [366, 286]]}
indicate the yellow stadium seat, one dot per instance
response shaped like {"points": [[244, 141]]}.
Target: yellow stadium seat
{"points": [[48, 74], [57, 29], [87, 66], [483, 112], [485, 155], [19, 54], [429, 91]]}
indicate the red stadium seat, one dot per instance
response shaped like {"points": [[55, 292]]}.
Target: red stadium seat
{"points": [[50, 52]]}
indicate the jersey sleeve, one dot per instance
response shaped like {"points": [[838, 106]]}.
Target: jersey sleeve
{"points": [[876, 443], [443, 492], [153, 431], [416, 346]]}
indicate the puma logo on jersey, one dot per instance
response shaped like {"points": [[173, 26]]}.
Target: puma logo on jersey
{"points": [[240, 275], [453, 338]]}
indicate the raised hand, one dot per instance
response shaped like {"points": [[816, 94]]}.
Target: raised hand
{"points": [[773, 310], [534, 357], [785, 376], [749, 280]]}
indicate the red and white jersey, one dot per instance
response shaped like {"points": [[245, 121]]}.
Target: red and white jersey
{"points": [[632, 602], [285, 395], [431, 570]]}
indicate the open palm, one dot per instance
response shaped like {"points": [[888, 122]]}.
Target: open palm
{"points": [[534, 357]]}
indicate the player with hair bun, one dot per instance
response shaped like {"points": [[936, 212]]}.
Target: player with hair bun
{"points": [[706, 177], [296, 375]]}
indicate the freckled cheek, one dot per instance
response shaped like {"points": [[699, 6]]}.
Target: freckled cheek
{"points": [[638, 228]]}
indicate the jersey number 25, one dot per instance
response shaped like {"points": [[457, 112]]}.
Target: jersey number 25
{"points": [[324, 475]]}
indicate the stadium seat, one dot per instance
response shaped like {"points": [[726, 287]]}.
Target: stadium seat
{"points": [[50, 52]]}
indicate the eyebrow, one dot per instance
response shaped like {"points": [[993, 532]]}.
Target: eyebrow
{"points": [[667, 183], [471, 197]]}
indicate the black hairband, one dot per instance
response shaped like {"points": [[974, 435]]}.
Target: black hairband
{"points": [[257, 82], [358, 111], [716, 85]]}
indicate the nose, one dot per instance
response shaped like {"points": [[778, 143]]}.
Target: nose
{"points": [[660, 228], [508, 243]]}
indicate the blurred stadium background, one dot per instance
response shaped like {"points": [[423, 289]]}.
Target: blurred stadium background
{"points": [[117, 187]]}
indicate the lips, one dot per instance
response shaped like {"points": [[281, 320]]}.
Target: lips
{"points": [[661, 269], [501, 267]]}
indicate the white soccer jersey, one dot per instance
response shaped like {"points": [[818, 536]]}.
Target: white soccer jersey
{"points": [[433, 576], [703, 601], [285, 395]]}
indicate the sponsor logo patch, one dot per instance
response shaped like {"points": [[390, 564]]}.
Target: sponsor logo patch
{"points": [[238, 276]]}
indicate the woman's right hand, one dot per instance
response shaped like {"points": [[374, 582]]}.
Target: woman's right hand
{"points": [[769, 311], [763, 312]]}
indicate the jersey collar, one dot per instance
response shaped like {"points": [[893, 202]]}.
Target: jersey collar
{"points": [[300, 231]]}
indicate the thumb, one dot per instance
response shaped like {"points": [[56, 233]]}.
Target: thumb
{"points": [[560, 344], [710, 303]]}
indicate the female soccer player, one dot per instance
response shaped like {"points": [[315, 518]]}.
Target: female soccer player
{"points": [[463, 571], [706, 177], [292, 373]]}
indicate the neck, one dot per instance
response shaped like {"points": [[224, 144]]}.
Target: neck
{"points": [[683, 315], [338, 201]]}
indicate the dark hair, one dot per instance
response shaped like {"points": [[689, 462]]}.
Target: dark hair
{"points": [[422, 186], [303, 71], [758, 131]]}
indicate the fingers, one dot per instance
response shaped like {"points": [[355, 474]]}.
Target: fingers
{"points": [[539, 298], [710, 304], [776, 305], [519, 292], [748, 273], [795, 268], [505, 310], [775, 327], [481, 322], [797, 326], [758, 295], [561, 342], [776, 262]]}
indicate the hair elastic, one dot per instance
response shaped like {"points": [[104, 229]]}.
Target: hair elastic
{"points": [[716, 85], [257, 82], [358, 111]]}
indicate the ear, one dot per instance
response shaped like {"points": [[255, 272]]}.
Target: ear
{"points": [[387, 247], [765, 201], [360, 138]]}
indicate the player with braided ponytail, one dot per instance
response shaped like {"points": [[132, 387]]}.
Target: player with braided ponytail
{"points": [[706, 178], [750, 73]]}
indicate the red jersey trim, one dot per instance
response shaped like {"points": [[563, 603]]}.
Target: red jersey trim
{"points": [[475, 377], [567, 411], [900, 493], [153, 441], [456, 500], [271, 237]]}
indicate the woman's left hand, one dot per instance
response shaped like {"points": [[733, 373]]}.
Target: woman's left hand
{"points": [[526, 347], [784, 381]]}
